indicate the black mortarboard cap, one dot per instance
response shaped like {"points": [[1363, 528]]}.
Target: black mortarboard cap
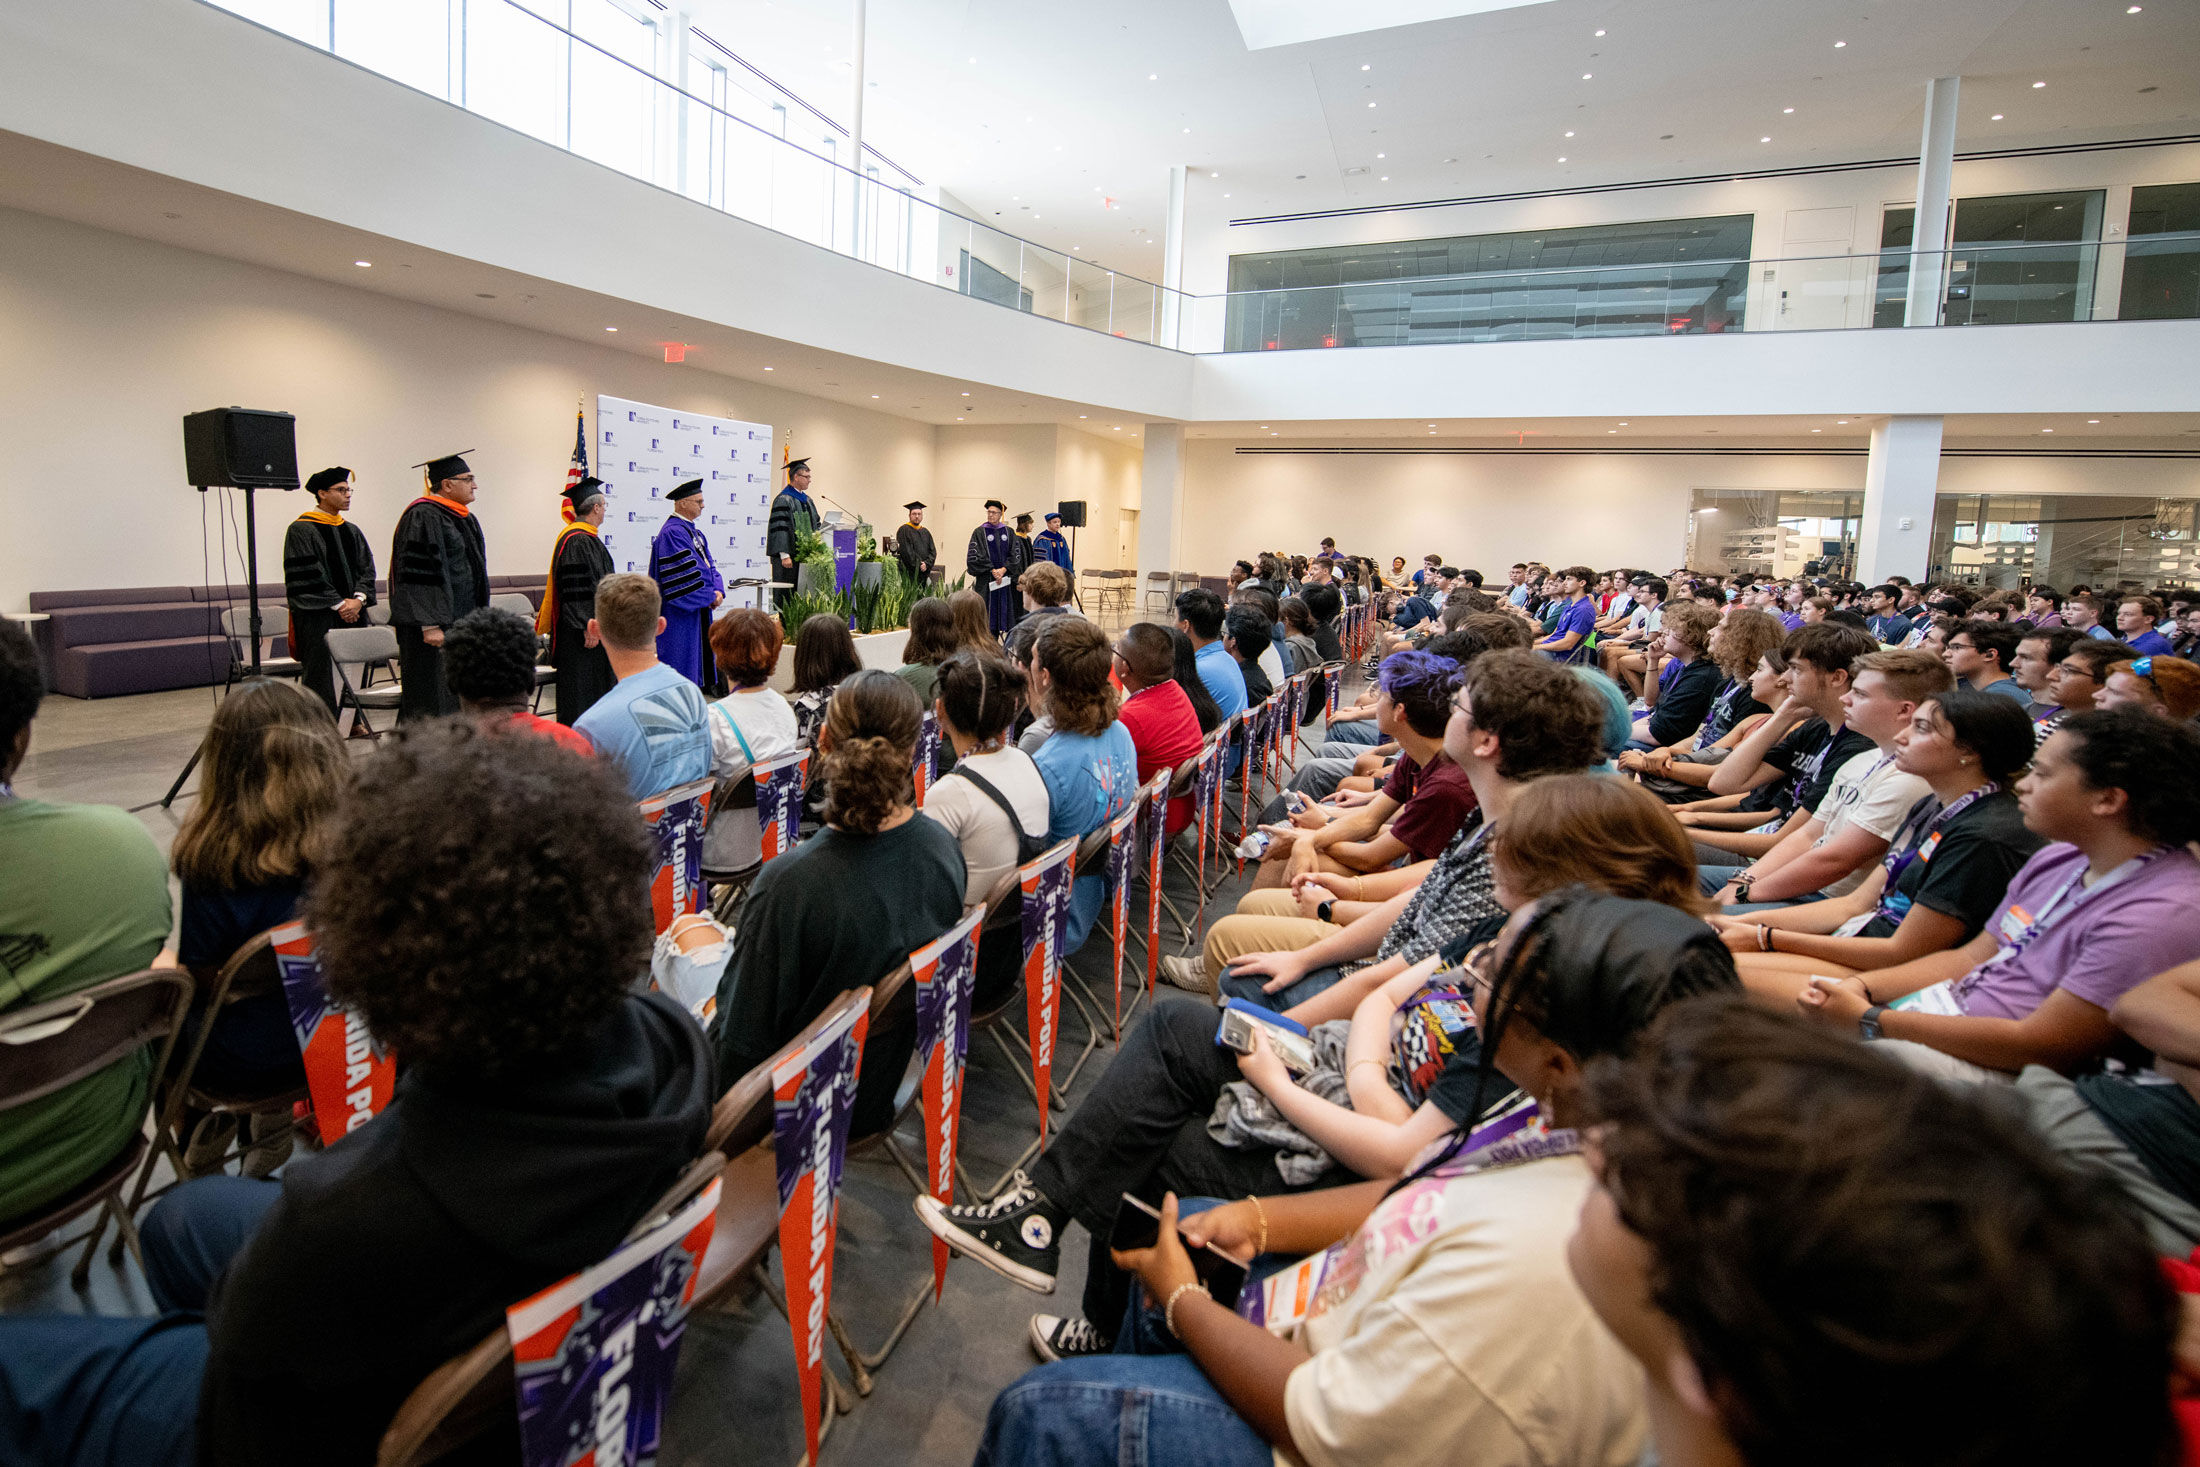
{"points": [[797, 466], [692, 486], [915, 504], [587, 489], [450, 466], [996, 504]]}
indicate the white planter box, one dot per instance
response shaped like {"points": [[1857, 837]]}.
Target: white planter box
{"points": [[881, 649]]}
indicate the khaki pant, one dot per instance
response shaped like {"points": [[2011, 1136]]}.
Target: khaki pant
{"points": [[1265, 921]]}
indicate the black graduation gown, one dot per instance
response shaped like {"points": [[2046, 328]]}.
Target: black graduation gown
{"points": [[322, 565], [996, 546], [919, 557], [584, 672], [439, 571], [792, 514]]}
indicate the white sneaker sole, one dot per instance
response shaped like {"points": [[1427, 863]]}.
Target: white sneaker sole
{"points": [[1040, 1346], [933, 1214]]}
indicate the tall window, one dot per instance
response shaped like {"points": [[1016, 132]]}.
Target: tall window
{"points": [[1660, 277], [2012, 258], [306, 19], [2162, 276], [407, 40], [614, 91]]}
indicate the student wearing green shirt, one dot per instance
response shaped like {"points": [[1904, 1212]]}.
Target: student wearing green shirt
{"points": [[86, 899]]}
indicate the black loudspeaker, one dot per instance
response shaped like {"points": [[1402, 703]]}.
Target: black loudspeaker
{"points": [[1073, 512], [240, 448]]}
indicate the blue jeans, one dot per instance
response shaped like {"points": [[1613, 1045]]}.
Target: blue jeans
{"points": [[1320, 981], [1118, 1411], [93, 1392], [1354, 731]]}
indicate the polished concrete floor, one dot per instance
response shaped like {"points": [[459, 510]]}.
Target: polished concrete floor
{"points": [[736, 1399]]}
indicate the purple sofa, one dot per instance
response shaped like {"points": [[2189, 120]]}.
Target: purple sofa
{"points": [[143, 639]]}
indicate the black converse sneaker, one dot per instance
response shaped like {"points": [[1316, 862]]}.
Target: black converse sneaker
{"points": [[1018, 1234], [1055, 1338]]}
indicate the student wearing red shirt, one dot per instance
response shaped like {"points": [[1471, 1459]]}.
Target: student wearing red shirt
{"points": [[489, 662], [1164, 729]]}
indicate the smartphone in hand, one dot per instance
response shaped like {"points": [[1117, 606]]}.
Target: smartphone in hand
{"points": [[1138, 1225]]}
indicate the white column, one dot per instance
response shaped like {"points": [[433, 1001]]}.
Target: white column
{"points": [[1160, 503], [1172, 261], [1935, 171], [1901, 480], [855, 124]]}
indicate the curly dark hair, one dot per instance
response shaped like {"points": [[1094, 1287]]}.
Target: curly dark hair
{"points": [[873, 719], [1827, 1226], [488, 901], [489, 657]]}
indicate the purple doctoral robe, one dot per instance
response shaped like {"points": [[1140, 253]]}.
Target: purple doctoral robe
{"points": [[688, 580]]}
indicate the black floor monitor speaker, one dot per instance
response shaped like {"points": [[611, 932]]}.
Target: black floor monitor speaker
{"points": [[240, 448], [1073, 512]]}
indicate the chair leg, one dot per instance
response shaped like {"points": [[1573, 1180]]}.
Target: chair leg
{"points": [[861, 1365], [81, 1275]]}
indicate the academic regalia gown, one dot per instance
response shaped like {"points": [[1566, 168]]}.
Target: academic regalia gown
{"points": [[792, 515], [688, 580], [577, 565], [919, 557], [1052, 545], [325, 560], [439, 571], [995, 547]]}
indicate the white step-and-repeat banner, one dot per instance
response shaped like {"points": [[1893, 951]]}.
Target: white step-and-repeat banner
{"points": [[644, 452]]}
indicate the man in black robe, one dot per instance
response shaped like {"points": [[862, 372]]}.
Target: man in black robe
{"points": [[994, 562], [793, 516], [439, 571], [577, 563], [328, 578], [913, 547]]}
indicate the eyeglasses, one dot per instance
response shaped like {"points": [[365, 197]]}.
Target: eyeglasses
{"points": [[2074, 669]]}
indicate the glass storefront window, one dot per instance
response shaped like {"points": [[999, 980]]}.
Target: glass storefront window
{"points": [[1656, 278], [1998, 272], [2162, 276]]}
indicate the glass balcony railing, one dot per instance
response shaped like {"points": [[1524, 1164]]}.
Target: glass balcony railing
{"points": [[597, 79]]}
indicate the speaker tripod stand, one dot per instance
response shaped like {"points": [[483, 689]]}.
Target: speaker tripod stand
{"points": [[252, 597]]}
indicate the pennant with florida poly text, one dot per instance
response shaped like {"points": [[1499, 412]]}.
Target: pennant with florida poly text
{"points": [[779, 785], [349, 1076], [592, 1355], [677, 818], [925, 764], [1046, 886], [1122, 850], [813, 1095], [946, 974]]}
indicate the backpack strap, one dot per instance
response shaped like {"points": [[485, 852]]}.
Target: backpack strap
{"points": [[1015, 822]]}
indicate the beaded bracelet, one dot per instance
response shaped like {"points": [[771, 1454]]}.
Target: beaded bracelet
{"points": [[1168, 1310]]}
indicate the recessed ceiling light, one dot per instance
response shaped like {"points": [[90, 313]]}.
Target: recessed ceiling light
{"points": [[364, 264], [1623, 425], [1153, 76], [1562, 157], [611, 328], [958, 419], [1840, 422], [1080, 417], [973, 61], [2096, 420], [2131, 10], [1569, 134], [1585, 76], [1386, 178], [1997, 117], [1382, 155], [2037, 85], [767, 369], [1118, 429], [874, 397], [2047, 430], [1363, 65], [1837, 45], [1226, 196], [1600, 33], [1817, 430], [1764, 140], [1371, 105], [1611, 430], [1784, 111]]}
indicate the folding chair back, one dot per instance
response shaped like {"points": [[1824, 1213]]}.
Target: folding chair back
{"points": [[465, 1395], [355, 650], [274, 634], [47, 1047], [513, 602]]}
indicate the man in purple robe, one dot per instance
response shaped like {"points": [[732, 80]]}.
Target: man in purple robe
{"points": [[688, 580]]}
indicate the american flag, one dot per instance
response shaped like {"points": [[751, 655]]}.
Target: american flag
{"points": [[578, 469]]}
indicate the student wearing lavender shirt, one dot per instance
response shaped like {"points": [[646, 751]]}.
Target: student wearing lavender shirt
{"points": [[2105, 906]]}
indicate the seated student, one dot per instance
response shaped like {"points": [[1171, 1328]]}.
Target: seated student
{"points": [[1744, 645], [1622, 639], [999, 795], [824, 658], [271, 771], [1185, 674], [2136, 619], [2187, 642], [1945, 871], [1980, 651], [1421, 806], [489, 662], [1045, 588], [751, 725], [1784, 1226], [1090, 764], [85, 899], [1886, 623], [1199, 615], [1274, 665], [1568, 636], [653, 722], [1298, 636], [1781, 772], [2081, 611], [2102, 908], [1681, 698], [1164, 726], [1517, 717], [543, 1106], [1245, 637], [1326, 604], [1834, 849], [2040, 649], [1448, 1328], [849, 904], [2074, 683], [931, 642], [2164, 685], [971, 627]]}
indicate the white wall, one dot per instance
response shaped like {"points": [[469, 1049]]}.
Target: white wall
{"points": [[1030, 467], [111, 339], [1489, 510]]}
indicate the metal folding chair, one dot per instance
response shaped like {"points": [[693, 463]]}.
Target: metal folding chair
{"points": [[354, 650]]}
